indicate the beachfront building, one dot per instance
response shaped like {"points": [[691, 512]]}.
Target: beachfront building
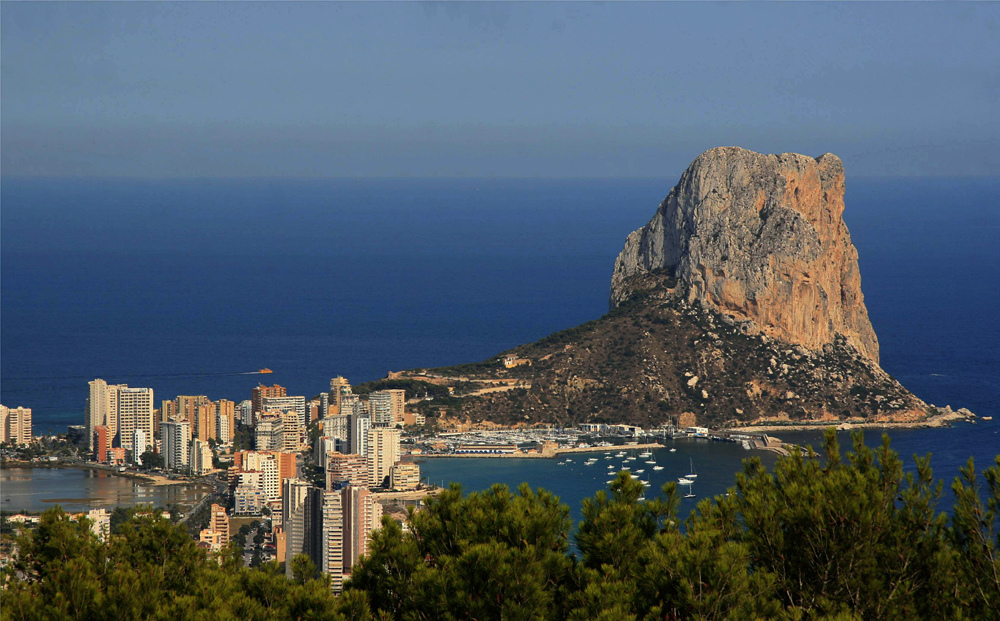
{"points": [[102, 408], [200, 458], [383, 453], [100, 444], [404, 477], [135, 413], [175, 437], [15, 425]]}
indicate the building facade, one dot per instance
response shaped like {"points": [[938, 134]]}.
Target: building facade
{"points": [[176, 438], [15, 425]]}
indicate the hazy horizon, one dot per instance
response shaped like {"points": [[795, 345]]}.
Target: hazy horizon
{"points": [[492, 90]]}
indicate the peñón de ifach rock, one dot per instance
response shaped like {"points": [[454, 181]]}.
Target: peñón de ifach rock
{"points": [[760, 238], [739, 302]]}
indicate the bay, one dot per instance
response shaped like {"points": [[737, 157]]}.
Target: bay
{"points": [[186, 286]]}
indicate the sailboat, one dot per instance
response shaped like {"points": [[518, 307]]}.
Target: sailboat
{"points": [[692, 474], [690, 485]]}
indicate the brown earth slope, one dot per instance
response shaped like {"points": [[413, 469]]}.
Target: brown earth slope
{"points": [[657, 356]]}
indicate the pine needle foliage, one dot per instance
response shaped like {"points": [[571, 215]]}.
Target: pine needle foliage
{"points": [[825, 536]]}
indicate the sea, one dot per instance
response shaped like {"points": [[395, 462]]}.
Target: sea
{"points": [[191, 286]]}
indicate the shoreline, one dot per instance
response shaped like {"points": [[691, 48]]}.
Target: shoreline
{"points": [[153, 480], [933, 423], [552, 455]]}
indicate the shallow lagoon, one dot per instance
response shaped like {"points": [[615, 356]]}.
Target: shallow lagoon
{"points": [[38, 489]]}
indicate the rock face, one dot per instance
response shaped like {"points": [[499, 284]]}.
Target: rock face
{"points": [[759, 238]]}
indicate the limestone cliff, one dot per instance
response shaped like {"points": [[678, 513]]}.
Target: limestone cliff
{"points": [[759, 238]]}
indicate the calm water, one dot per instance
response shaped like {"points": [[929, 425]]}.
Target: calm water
{"points": [[182, 286], [715, 463], [38, 489]]}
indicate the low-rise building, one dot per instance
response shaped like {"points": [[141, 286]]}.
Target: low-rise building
{"points": [[404, 476]]}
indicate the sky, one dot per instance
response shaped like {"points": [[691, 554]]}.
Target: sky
{"points": [[258, 90]]}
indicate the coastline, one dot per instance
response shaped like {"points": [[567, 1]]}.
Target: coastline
{"points": [[936, 422], [145, 479], [548, 455]]}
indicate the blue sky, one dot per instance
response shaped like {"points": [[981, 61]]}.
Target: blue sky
{"points": [[484, 89]]}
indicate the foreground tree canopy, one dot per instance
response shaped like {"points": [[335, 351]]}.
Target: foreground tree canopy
{"points": [[822, 537]]}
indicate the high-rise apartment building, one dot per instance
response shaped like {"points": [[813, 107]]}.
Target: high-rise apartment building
{"points": [[245, 411], [140, 445], [260, 392], [333, 527], [331, 544], [286, 404], [338, 427], [203, 424], [168, 412], [387, 407], [175, 437], [135, 413], [291, 432], [15, 425], [297, 519], [200, 459], [187, 408], [274, 467], [222, 427], [102, 408], [383, 453], [362, 515], [360, 425], [269, 433], [100, 443], [349, 469], [338, 386], [224, 408], [218, 522]]}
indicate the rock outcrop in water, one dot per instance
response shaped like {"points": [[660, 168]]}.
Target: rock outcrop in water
{"points": [[759, 238], [739, 302]]}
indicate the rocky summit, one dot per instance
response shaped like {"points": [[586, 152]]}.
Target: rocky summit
{"points": [[760, 238], [739, 302]]}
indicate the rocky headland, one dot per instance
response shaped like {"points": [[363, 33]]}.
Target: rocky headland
{"points": [[738, 303]]}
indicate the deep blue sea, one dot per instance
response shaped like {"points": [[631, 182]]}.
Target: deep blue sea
{"points": [[182, 286]]}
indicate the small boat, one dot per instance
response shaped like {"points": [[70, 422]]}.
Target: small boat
{"points": [[673, 450], [641, 498], [640, 471], [650, 461], [626, 468], [692, 474], [657, 467], [645, 454], [265, 370], [683, 481]]}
